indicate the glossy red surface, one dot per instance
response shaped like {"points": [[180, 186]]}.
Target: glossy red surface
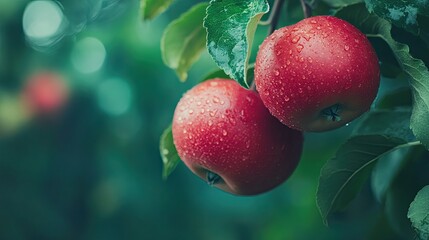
{"points": [[319, 62], [221, 127]]}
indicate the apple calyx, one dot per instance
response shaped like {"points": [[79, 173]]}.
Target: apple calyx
{"points": [[212, 178], [332, 113]]}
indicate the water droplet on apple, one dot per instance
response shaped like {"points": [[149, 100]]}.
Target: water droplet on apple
{"points": [[300, 89], [184, 131], [287, 99], [346, 47], [299, 47], [295, 39], [191, 111], [213, 113], [210, 123], [313, 21], [318, 27], [224, 132], [215, 99], [276, 72], [288, 62], [202, 111]]}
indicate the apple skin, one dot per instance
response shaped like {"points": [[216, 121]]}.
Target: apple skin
{"points": [[223, 128], [317, 64], [45, 93]]}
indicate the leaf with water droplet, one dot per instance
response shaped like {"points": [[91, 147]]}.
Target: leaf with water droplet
{"points": [[231, 25], [170, 158], [184, 40], [402, 14]]}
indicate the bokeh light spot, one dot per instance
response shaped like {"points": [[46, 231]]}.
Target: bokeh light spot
{"points": [[114, 96], [42, 22], [88, 55]]}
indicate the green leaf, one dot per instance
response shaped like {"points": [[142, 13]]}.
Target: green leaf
{"points": [[231, 26], [221, 74], [152, 8], [341, 3], [419, 213], [343, 176], [184, 40], [385, 171], [168, 151], [398, 98], [388, 123], [216, 74], [399, 12], [415, 69]]}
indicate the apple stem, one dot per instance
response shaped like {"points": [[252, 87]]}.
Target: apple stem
{"points": [[273, 19], [212, 178], [332, 113], [306, 8]]}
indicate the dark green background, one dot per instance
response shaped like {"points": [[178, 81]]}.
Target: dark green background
{"points": [[88, 174]]}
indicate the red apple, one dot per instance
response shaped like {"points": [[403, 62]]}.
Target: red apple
{"points": [[226, 136], [45, 93], [318, 74]]}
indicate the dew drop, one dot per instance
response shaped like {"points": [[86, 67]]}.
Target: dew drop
{"points": [[224, 132], [288, 62], [287, 99], [184, 131], [202, 111], [356, 40], [182, 108], [313, 21], [310, 60], [191, 111], [301, 59], [346, 47], [222, 102], [213, 84], [276, 72], [299, 47], [278, 53], [300, 89], [210, 123], [290, 52], [295, 39], [215, 99], [199, 103], [318, 27]]}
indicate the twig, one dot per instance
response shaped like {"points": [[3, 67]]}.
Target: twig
{"points": [[306, 9], [275, 16]]}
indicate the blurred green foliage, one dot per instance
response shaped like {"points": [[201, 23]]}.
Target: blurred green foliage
{"points": [[93, 171]]}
